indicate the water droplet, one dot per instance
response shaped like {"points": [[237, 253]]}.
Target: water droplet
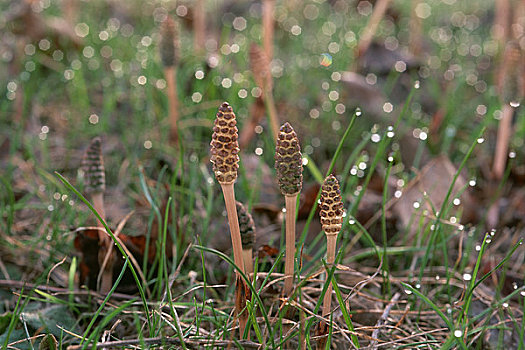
{"points": [[50, 207], [358, 111], [351, 221], [416, 205], [416, 84], [478, 247], [437, 277], [505, 304], [514, 104], [456, 201], [481, 140], [467, 276], [522, 293], [408, 291], [375, 138], [458, 333], [418, 286]]}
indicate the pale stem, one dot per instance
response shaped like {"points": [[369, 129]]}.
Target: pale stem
{"points": [[233, 221], [268, 9], [247, 255], [199, 26], [502, 143], [170, 74], [330, 258], [414, 40], [371, 28], [98, 204], [291, 202]]}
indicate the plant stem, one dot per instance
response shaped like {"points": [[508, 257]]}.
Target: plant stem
{"points": [[268, 9], [371, 28], [199, 26], [170, 74], [291, 203], [502, 143], [233, 221], [247, 255], [331, 241]]}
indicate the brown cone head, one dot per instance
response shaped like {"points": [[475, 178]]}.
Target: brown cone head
{"points": [[168, 42], [260, 66], [224, 145], [288, 161], [246, 226], [331, 207], [93, 167]]}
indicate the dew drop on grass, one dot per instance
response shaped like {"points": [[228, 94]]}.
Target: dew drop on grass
{"points": [[408, 292], [522, 293], [456, 201], [358, 111], [351, 221], [50, 207], [437, 277], [505, 304], [467, 276], [472, 182], [418, 286], [514, 104], [458, 333], [416, 84], [481, 140], [478, 247]]}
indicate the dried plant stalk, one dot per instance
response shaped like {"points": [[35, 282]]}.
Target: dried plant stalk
{"points": [[371, 28], [415, 33], [247, 229], [268, 10], [225, 159], [95, 185], [199, 26], [289, 168], [168, 53], [510, 88], [260, 67], [331, 213]]}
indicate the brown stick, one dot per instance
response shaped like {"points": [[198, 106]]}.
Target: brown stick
{"points": [[247, 256], [233, 221], [330, 258], [415, 33], [502, 143], [291, 202], [199, 26], [170, 74], [268, 10], [371, 28]]}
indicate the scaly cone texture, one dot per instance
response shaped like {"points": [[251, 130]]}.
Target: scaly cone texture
{"points": [[168, 42], [288, 161], [224, 145], [93, 168], [260, 66], [246, 226], [511, 82], [331, 207]]}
